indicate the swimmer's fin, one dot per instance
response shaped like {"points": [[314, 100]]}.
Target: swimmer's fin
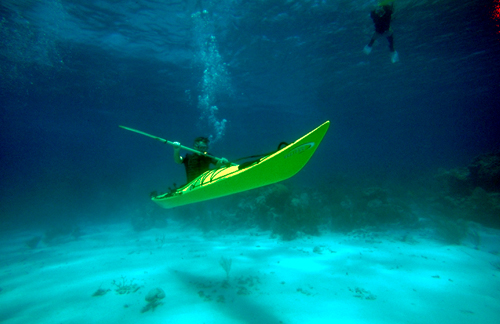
{"points": [[394, 57]]}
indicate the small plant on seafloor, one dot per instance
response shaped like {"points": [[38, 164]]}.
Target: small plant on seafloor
{"points": [[161, 240], [225, 263], [100, 292], [125, 286]]}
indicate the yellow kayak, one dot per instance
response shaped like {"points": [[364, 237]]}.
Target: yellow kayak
{"points": [[269, 169]]}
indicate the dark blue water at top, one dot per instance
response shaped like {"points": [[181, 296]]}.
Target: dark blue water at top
{"points": [[249, 74]]}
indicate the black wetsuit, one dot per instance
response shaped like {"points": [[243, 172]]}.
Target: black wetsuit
{"points": [[196, 164], [383, 24]]}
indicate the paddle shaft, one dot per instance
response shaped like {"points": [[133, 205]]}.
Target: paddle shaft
{"points": [[171, 143]]}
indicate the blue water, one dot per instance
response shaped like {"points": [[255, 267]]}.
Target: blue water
{"points": [[249, 74], [383, 200]]}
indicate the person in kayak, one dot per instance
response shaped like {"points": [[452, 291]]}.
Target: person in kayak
{"points": [[381, 17], [196, 164]]}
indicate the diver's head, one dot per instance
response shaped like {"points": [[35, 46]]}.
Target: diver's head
{"points": [[380, 11], [201, 144]]}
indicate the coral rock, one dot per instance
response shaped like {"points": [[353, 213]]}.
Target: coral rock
{"points": [[155, 294]]}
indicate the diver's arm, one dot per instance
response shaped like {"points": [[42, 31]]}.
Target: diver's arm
{"points": [[221, 162], [177, 148]]}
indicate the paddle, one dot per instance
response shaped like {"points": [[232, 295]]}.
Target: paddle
{"points": [[172, 143]]}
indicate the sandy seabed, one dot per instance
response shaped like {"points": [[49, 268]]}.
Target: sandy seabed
{"points": [[367, 277]]}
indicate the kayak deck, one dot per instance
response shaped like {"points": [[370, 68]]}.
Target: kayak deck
{"points": [[269, 169]]}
